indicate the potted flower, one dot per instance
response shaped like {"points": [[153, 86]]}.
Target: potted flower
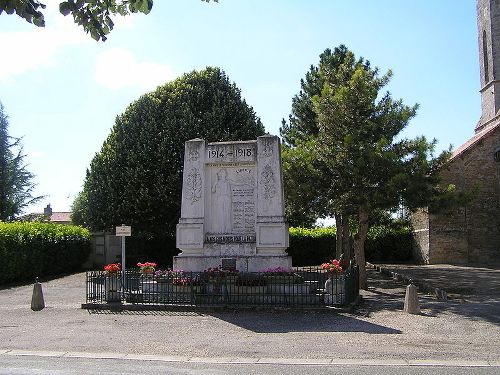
{"points": [[148, 285], [333, 268], [112, 282], [147, 268], [335, 284]]}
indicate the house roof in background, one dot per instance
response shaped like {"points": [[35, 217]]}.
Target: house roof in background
{"points": [[58, 217]]}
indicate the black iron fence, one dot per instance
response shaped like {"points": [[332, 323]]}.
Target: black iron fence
{"points": [[309, 286]]}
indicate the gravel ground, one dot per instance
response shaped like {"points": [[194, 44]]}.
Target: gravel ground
{"points": [[461, 329]]}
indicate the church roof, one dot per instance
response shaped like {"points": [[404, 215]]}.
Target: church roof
{"points": [[474, 140]]}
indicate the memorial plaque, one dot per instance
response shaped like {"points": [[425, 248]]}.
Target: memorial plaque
{"points": [[228, 264]]}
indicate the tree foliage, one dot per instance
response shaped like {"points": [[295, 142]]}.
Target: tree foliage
{"points": [[136, 178], [16, 182], [95, 16], [346, 133]]}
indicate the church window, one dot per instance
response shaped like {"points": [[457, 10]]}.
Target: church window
{"points": [[497, 155], [485, 58]]}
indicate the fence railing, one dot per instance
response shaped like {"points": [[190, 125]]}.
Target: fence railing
{"points": [[304, 287]]}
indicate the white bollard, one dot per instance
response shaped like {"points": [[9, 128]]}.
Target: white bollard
{"points": [[37, 302], [411, 300]]}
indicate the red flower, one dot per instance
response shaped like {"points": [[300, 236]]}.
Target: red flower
{"points": [[112, 267], [332, 267]]}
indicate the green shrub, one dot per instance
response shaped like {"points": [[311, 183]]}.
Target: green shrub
{"points": [[310, 247], [29, 250], [385, 243]]}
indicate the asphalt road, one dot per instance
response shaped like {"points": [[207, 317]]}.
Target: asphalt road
{"points": [[456, 332], [50, 365]]}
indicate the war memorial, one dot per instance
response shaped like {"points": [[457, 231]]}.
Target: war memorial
{"points": [[232, 211]]}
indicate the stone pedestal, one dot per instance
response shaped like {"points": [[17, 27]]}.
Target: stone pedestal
{"points": [[232, 209]]}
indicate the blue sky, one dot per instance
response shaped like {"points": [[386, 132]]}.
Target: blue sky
{"points": [[62, 90]]}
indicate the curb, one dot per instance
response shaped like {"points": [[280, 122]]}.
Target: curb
{"points": [[258, 361], [439, 293]]}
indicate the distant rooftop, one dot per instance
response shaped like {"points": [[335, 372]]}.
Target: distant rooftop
{"points": [[57, 217], [60, 217]]}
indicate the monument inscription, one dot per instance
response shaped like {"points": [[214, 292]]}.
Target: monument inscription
{"points": [[231, 152]]}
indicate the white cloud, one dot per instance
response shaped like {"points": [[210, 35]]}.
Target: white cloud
{"points": [[118, 68], [38, 47]]}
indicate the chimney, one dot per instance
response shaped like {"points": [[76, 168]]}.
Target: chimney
{"points": [[47, 211]]}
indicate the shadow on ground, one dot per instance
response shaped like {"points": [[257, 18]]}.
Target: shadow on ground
{"points": [[301, 321]]}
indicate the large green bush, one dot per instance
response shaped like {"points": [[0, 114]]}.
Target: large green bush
{"points": [[310, 247], [29, 250], [136, 178]]}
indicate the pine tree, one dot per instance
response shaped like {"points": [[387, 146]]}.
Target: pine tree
{"points": [[16, 182], [344, 133]]}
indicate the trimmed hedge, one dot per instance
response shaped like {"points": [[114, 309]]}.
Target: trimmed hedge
{"points": [[29, 250], [310, 247], [388, 244], [143, 247]]}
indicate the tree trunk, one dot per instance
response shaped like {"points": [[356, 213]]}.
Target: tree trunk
{"points": [[346, 238], [338, 236], [359, 246]]}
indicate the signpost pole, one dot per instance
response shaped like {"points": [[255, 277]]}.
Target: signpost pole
{"points": [[123, 264], [123, 231]]}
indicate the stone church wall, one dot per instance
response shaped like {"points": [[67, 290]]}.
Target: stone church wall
{"points": [[471, 234]]}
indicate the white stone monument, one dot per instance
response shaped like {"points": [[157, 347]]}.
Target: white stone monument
{"points": [[232, 209]]}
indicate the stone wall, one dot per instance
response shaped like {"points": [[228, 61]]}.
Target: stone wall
{"points": [[471, 234]]}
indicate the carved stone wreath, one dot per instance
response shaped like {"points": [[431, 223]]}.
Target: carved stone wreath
{"points": [[267, 181], [194, 185]]}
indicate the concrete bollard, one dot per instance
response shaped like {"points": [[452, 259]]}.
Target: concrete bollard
{"points": [[37, 302], [411, 300], [441, 294]]}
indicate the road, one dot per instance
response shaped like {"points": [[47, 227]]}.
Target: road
{"points": [[52, 364]]}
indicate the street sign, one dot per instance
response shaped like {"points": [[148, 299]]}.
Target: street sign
{"points": [[123, 231]]}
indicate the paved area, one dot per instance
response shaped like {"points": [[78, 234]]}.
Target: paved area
{"points": [[455, 331]]}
